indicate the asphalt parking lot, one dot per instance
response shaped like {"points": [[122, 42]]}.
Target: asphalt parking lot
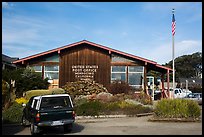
{"points": [[117, 126]]}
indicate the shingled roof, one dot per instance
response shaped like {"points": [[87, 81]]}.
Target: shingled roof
{"points": [[8, 59]]}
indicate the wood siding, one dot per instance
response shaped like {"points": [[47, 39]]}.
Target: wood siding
{"points": [[85, 55]]}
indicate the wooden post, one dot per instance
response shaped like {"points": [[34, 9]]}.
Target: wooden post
{"points": [[162, 79], [168, 84], [145, 78]]}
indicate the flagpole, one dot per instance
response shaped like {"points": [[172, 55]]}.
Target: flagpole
{"points": [[173, 61]]}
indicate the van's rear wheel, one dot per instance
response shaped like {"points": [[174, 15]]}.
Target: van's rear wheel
{"points": [[68, 127], [34, 130], [24, 121]]}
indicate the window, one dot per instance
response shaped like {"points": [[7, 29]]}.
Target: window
{"points": [[135, 69], [176, 91], [51, 68], [37, 68], [34, 103], [118, 73], [30, 101], [51, 72], [135, 76], [55, 103]]}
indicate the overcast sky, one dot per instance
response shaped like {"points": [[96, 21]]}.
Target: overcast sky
{"points": [[139, 28]]}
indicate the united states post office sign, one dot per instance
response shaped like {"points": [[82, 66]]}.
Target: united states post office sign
{"points": [[84, 72]]}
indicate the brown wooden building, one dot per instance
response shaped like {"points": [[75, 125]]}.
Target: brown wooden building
{"points": [[87, 60]]}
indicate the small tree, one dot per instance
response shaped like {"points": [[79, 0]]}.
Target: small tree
{"points": [[25, 79]]}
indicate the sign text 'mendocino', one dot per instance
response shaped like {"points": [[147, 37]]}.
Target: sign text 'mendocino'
{"points": [[84, 72]]}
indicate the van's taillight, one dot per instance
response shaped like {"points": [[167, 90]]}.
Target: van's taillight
{"points": [[37, 118], [73, 114]]}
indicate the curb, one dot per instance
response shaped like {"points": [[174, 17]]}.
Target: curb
{"points": [[144, 114], [100, 116], [173, 120], [112, 116]]}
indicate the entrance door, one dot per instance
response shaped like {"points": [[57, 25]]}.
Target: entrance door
{"points": [[150, 86]]}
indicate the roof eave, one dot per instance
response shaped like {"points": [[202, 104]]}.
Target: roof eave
{"points": [[94, 44]]}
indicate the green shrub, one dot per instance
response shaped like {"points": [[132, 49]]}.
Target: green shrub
{"points": [[95, 108], [145, 99], [13, 114], [193, 109], [112, 106], [126, 108], [117, 107], [177, 108], [39, 92], [136, 109], [124, 104], [91, 108], [57, 91], [79, 101], [31, 93]]}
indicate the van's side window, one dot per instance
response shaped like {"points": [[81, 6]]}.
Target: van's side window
{"points": [[34, 103]]}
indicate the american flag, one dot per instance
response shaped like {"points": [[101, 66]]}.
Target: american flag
{"points": [[173, 25]]}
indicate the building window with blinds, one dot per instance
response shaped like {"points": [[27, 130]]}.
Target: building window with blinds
{"points": [[51, 72], [135, 76], [118, 73]]}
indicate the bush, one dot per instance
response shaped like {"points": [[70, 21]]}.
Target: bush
{"points": [[112, 107], [126, 108], [91, 108], [96, 107], [13, 114], [21, 100], [118, 87], [39, 92], [124, 104], [83, 88], [177, 108], [145, 99], [57, 91], [136, 109], [79, 101], [31, 93]]}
